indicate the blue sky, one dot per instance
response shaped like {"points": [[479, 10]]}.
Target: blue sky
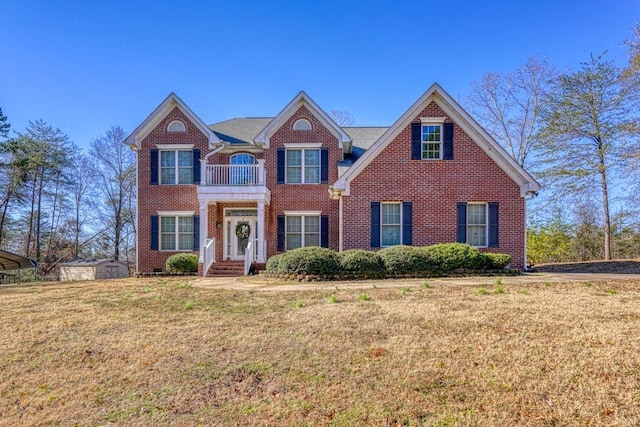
{"points": [[83, 66]]}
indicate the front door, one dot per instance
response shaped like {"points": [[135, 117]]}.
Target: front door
{"points": [[239, 231]]}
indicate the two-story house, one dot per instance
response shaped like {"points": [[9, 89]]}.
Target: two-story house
{"points": [[249, 188]]}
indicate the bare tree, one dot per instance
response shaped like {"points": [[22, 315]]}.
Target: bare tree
{"points": [[114, 170], [508, 106], [342, 118]]}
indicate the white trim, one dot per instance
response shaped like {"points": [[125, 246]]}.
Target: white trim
{"points": [[434, 120], [440, 142], [184, 147], [134, 140], [401, 225], [176, 213], [303, 165], [294, 145], [176, 233], [302, 213], [302, 99], [450, 107]]}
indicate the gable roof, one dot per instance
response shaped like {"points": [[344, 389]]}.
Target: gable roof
{"points": [[170, 102], [452, 109], [344, 141]]}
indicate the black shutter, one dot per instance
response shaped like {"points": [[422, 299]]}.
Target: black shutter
{"points": [[375, 224], [155, 223], [154, 166], [281, 169], [324, 231], [462, 222], [447, 152], [324, 165], [196, 166], [416, 144], [494, 220], [407, 223], [281, 234], [196, 233]]}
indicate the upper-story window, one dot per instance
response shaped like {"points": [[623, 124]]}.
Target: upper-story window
{"points": [[431, 141], [302, 124], [176, 126], [303, 166], [176, 167]]}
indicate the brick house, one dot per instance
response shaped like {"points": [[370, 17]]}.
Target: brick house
{"points": [[253, 187]]}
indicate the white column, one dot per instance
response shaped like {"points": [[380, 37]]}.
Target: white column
{"points": [[261, 180], [260, 231], [204, 221], [340, 229], [203, 171]]}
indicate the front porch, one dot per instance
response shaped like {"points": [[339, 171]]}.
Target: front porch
{"points": [[232, 214]]}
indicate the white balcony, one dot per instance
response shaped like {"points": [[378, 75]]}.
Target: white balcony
{"points": [[221, 183]]}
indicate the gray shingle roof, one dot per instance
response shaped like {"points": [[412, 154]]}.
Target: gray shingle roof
{"points": [[244, 130]]}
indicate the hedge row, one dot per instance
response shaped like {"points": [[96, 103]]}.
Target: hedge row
{"points": [[394, 261]]}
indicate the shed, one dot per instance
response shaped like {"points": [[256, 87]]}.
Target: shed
{"points": [[93, 269]]}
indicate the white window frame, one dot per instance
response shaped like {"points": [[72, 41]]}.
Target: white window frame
{"points": [[302, 148], [382, 224], [176, 233], [176, 126], [176, 165], [302, 215], [432, 121], [486, 224], [302, 124]]}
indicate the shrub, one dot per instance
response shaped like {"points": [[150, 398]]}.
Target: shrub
{"points": [[272, 263], [182, 263], [451, 256], [310, 260], [497, 261], [359, 261], [403, 259]]}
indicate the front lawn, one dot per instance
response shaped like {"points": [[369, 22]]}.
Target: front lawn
{"points": [[165, 352]]}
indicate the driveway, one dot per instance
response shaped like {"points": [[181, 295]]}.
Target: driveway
{"points": [[257, 283]]}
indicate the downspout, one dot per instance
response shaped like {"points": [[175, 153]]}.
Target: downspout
{"points": [[528, 196]]}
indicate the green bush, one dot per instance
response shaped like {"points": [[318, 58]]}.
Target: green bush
{"points": [[497, 261], [452, 256], [361, 262], [272, 263], [312, 260], [403, 259], [182, 263]]}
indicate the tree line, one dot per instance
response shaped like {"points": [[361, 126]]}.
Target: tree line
{"points": [[59, 204], [578, 132]]}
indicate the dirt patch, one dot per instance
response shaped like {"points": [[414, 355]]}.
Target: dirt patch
{"points": [[629, 266]]}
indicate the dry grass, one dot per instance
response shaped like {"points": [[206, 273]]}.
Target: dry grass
{"points": [[162, 352]]}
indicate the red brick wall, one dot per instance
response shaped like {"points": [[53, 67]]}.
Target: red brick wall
{"points": [[314, 197], [435, 187], [154, 198]]}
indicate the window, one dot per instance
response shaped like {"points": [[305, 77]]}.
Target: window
{"points": [[390, 224], [302, 230], [176, 233], [431, 141], [176, 167], [176, 126], [477, 224], [303, 166], [244, 172], [302, 124]]}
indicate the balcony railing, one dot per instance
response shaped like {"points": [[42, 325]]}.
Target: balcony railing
{"points": [[232, 175]]}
